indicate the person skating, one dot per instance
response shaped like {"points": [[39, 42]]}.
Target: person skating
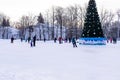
{"points": [[66, 40], [55, 39], [29, 38], [69, 40], [44, 39], [34, 40], [21, 39], [114, 40], [60, 40], [31, 42], [74, 42], [12, 39]]}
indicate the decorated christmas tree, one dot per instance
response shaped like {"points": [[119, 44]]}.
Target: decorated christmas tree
{"points": [[92, 24], [92, 33]]}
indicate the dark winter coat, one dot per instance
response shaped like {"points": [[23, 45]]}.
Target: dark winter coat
{"points": [[73, 41]]}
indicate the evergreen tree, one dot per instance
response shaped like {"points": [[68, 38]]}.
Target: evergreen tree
{"points": [[40, 18], [8, 22], [92, 25], [4, 23]]}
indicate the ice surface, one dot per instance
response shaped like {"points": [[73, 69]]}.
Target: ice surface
{"points": [[53, 61]]}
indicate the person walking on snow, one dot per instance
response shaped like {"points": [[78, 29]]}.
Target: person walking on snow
{"points": [[55, 39], [60, 40], [31, 42], [12, 39], [34, 40], [74, 42]]}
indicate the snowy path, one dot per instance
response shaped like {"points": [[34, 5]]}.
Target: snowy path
{"points": [[49, 61]]}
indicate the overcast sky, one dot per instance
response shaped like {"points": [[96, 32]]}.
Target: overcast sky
{"points": [[16, 8]]}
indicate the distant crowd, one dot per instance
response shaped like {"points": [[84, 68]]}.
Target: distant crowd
{"points": [[112, 40], [60, 39], [32, 40]]}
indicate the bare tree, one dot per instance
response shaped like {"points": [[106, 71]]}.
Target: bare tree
{"points": [[47, 22], [51, 20], [118, 14], [118, 28], [59, 18], [27, 21], [81, 15], [106, 18], [72, 20]]}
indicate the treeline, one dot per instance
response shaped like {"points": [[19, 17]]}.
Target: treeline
{"points": [[63, 22]]}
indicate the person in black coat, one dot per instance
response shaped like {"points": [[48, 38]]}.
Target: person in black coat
{"points": [[29, 38], [21, 39], [55, 39], [12, 39], [114, 40], [34, 40], [66, 40], [69, 40], [44, 39]]}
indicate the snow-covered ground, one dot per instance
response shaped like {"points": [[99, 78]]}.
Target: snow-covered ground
{"points": [[53, 61]]}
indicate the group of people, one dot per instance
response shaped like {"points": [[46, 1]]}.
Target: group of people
{"points": [[32, 40], [112, 40], [60, 39]]}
